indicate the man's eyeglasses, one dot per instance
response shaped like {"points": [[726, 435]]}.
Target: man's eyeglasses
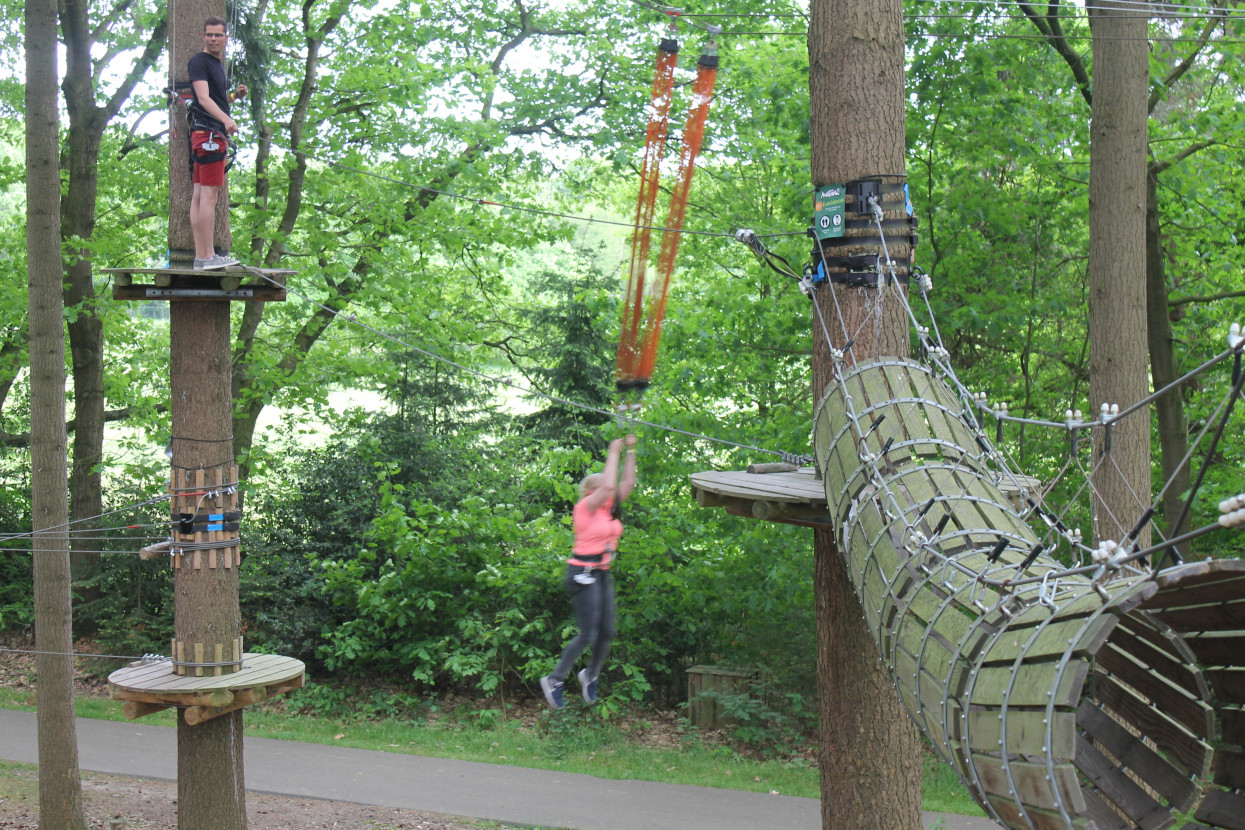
{"points": [[213, 34]]}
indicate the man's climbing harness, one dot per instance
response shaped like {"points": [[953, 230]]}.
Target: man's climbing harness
{"points": [[197, 120]]}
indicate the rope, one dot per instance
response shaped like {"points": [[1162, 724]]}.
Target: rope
{"points": [[353, 319], [147, 657]]}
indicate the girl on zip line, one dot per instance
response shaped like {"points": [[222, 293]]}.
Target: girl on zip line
{"points": [[588, 579]]}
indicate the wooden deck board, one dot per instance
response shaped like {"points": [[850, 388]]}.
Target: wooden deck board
{"points": [[258, 670], [800, 486]]}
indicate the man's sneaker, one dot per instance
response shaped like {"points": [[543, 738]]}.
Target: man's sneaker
{"points": [[553, 692], [215, 263], [589, 685]]}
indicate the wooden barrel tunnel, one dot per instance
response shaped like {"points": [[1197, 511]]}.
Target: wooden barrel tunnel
{"points": [[1063, 702]]}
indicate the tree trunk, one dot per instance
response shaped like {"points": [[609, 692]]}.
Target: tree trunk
{"points": [[870, 754], [86, 329], [87, 122], [60, 790], [210, 786], [1117, 249], [1173, 430]]}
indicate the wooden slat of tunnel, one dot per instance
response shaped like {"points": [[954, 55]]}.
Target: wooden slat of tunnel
{"points": [[1177, 743], [1226, 810], [1121, 790], [1167, 780]]}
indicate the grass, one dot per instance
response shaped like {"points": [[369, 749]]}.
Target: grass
{"points": [[574, 738]]}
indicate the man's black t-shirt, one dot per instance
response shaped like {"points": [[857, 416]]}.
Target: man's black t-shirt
{"points": [[204, 67]]}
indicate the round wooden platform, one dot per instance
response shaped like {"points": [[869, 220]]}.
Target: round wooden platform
{"points": [[150, 687]]}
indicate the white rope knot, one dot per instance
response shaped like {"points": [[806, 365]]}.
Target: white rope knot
{"points": [[1109, 555], [1233, 511]]}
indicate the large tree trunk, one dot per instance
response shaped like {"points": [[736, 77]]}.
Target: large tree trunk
{"points": [[1117, 248], [1173, 430], [60, 790], [210, 786], [87, 121], [870, 754], [86, 330]]}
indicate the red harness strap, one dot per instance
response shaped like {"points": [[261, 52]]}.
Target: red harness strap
{"points": [[644, 307]]}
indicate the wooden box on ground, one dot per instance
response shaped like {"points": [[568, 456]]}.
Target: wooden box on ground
{"points": [[704, 683]]}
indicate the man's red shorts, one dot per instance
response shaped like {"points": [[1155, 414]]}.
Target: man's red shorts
{"points": [[210, 173]]}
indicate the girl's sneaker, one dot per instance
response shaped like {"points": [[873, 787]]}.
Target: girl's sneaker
{"points": [[589, 685], [553, 692]]}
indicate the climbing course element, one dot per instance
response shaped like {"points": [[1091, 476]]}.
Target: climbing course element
{"points": [[644, 308], [1107, 697], [646, 205]]}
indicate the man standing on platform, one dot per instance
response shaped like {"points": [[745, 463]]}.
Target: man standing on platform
{"points": [[209, 143]]}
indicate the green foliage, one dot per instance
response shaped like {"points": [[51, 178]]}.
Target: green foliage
{"points": [[766, 719]]}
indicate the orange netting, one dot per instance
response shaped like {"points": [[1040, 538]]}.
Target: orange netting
{"points": [[644, 307]]}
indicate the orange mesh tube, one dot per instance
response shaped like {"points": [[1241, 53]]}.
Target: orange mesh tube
{"points": [[641, 241]]}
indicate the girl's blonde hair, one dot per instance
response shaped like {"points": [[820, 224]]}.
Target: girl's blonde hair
{"points": [[590, 483]]}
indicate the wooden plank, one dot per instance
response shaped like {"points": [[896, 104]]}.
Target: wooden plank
{"points": [[1132, 752], [191, 272], [1053, 640], [1228, 684], [1077, 607], [1176, 703], [218, 697], [1026, 731], [1209, 589], [1223, 810], [1162, 661], [1232, 726], [1218, 649], [258, 294], [1104, 817], [1042, 819], [798, 487], [1230, 769], [1170, 738], [1032, 684], [1226, 616], [1121, 790], [1194, 573], [133, 710]]}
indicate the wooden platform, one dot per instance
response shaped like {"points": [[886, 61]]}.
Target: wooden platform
{"points": [[790, 497], [235, 283], [150, 687]]}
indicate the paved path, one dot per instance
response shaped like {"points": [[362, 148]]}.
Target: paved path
{"points": [[461, 788]]}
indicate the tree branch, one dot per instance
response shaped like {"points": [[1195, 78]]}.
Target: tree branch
{"points": [[1051, 29], [1175, 302], [1179, 69], [1159, 167]]}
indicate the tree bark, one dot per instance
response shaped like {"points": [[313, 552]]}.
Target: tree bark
{"points": [[210, 786], [87, 122], [1117, 265], [1173, 428], [870, 754], [60, 790], [211, 792]]}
